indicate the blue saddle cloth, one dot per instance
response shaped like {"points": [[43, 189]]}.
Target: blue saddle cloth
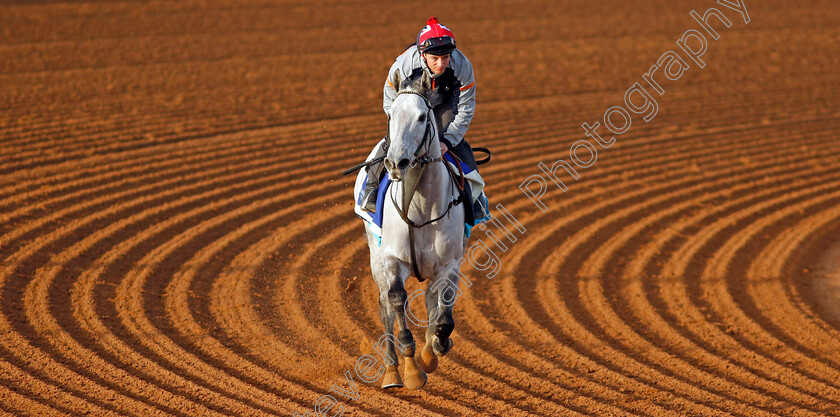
{"points": [[464, 167], [375, 218]]}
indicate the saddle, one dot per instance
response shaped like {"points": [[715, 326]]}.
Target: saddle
{"points": [[374, 219]]}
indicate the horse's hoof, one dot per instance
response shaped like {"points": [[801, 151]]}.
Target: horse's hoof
{"points": [[428, 360], [415, 378], [392, 378], [439, 348]]}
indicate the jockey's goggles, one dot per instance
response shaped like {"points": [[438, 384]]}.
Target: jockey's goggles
{"points": [[438, 46]]}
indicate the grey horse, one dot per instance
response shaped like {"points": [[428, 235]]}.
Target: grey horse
{"points": [[422, 233]]}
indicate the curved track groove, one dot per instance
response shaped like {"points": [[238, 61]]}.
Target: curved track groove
{"points": [[175, 238], [691, 320], [636, 283], [746, 325]]}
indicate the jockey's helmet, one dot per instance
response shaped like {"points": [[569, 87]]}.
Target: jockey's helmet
{"points": [[435, 39]]}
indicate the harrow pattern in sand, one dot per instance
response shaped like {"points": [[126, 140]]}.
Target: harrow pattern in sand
{"points": [[175, 239]]}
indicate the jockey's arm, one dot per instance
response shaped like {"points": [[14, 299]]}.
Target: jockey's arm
{"points": [[389, 90]]}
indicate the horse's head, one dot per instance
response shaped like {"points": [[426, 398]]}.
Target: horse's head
{"points": [[412, 127]]}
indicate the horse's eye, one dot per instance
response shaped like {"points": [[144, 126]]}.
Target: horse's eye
{"points": [[422, 118]]}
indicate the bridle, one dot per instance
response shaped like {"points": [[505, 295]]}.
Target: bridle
{"points": [[416, 168], [427, 135]]}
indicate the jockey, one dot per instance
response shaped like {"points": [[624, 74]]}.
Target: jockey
{"points": [[452, 75]]}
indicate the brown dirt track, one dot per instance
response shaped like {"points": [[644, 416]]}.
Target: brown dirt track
{"points": [[175, 239]]}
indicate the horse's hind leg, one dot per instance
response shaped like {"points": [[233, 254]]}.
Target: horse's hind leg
{"points": [[447, 292], [441, 342], [428, 360], [415, 377]]}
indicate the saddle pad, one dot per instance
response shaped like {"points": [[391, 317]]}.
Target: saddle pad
{"points": [[374, 220], [464, 167]]}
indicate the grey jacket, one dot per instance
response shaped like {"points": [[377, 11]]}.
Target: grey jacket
{"points": [[463, 71]]}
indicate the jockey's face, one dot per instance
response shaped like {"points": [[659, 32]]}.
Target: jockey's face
{"points": [[437, 63]]}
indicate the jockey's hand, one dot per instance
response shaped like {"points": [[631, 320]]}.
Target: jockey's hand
{"points": [[443, 148]]}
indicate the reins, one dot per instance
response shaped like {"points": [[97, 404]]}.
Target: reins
{"points": [[415, 171], [458, 184]]}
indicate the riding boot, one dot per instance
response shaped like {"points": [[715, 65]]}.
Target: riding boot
{"points": [[374, 174], [481, 207], [444, 114]]}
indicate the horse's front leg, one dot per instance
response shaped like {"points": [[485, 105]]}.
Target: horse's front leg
{"points": [[415, 377], [386, 342]]}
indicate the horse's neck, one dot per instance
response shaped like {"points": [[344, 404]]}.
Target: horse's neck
{"points": [[433, 187]]}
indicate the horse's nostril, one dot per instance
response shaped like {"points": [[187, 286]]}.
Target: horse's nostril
{"points": [[388, 163], [403, 163]]}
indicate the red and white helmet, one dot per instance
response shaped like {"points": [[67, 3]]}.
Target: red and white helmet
{"points": [[435, 39]]}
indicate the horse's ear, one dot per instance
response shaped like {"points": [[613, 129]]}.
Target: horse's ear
{"points": [[396, 80], [426, 83], [435, 98]]}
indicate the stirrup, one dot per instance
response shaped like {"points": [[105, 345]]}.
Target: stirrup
{"points": [[369, 201]]}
